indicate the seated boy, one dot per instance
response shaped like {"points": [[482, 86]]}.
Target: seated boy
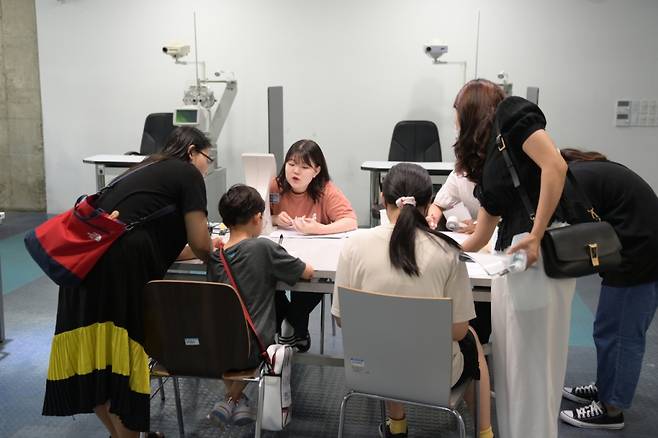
{"points": [[257, 265]]}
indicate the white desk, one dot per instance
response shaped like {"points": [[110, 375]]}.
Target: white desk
{"points": [[101, 162], [376, 168], [322, 254]]}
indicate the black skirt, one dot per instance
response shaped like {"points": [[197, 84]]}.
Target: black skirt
{"points": [[97, 353]]}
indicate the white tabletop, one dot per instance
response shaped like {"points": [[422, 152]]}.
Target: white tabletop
{"points": [[323, 255], [118, 159], [440, 167]]}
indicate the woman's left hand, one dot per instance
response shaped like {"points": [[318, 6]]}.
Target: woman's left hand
{"points": [[307, 225], [530, 244]]}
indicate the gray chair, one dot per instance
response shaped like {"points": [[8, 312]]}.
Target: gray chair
{"points": [[186, 327], [419, 331]]}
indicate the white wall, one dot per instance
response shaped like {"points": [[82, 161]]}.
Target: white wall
{"points": [[350, 70]]}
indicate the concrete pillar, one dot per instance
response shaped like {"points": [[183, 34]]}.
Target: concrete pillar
{"points": [[22, 179]]}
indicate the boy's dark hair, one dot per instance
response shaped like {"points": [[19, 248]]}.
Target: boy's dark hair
{"points": [[239, 204]]}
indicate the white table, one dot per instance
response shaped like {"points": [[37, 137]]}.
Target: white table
{"points": [[376, 168], [322, 254], [101, 162]]}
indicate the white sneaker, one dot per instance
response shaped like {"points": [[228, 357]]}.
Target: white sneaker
{"points": [[222, 412], [243, 413]]}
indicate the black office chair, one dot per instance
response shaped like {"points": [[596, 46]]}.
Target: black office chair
{"points": [[415, 140], [157, 128]]}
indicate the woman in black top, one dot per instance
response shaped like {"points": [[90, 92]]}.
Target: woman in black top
{"points": [[97, 361], [530, 312], [629, 295]]}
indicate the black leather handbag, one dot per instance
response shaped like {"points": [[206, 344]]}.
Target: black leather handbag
{"points": [[573, 250]]}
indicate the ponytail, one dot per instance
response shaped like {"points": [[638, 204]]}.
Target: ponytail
{"points": [[409, 187]]}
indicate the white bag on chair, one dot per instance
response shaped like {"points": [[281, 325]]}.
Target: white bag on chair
{"points": [[277, 399]]}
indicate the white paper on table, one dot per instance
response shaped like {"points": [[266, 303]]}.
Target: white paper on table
{"points": [[493, 264], [457, 237], [293, 234]]}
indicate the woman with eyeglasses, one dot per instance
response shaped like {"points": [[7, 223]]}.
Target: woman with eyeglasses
{"points": [[97, 361]]}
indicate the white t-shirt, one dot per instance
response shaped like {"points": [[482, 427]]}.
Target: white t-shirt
{"points": [[457, 189], [364, 264]]}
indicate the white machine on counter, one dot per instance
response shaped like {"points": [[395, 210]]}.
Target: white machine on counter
{"points": [[259, 169], [198, 111]]}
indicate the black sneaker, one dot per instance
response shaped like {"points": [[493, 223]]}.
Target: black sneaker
{"points": [[584, 394], [592, 416], [300, 343], [385, 432]]}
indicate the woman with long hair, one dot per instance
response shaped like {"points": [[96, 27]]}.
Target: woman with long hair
{"points": [[303, 198], [530, 312], [629, 294], [408, 258], [97, 361]]}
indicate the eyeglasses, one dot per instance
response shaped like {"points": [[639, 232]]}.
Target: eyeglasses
{"points": [[210, 160]]}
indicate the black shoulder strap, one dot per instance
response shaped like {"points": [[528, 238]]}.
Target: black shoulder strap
{"points": [[155, 215], [502, 148], [124, 175]]}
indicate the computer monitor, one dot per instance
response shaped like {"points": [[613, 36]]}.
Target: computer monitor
{"points": [[259, 169], [192, 116]]}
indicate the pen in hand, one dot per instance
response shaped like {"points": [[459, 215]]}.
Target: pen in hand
{"points": [[281, 239]]}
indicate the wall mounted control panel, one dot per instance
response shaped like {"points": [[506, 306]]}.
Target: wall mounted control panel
{"points": [[642, 112]]}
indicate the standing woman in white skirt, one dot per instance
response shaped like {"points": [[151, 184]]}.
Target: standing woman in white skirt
{"points": [[530, 312]]}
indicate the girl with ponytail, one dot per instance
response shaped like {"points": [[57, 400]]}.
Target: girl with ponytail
{"points": [[408, 258]]}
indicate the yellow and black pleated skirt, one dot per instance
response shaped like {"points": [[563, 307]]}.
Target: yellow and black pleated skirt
{"points": [[97, 353]]}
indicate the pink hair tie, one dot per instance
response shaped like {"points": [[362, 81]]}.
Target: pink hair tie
{"points": [[405, 200]]}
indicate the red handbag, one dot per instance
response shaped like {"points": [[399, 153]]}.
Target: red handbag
{"points": [[69, 245]]}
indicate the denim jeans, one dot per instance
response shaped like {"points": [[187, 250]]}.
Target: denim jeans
{"points": [[622, 319]]}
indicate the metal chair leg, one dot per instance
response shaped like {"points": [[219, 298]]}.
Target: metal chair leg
{"points": [[162, 393], [460, 424], [179, 408], [261, 403], [322, 325], [476, 409], [341, 417], [333, 320]]}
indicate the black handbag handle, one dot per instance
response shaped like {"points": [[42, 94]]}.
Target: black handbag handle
{"points": [[502, 148]]}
